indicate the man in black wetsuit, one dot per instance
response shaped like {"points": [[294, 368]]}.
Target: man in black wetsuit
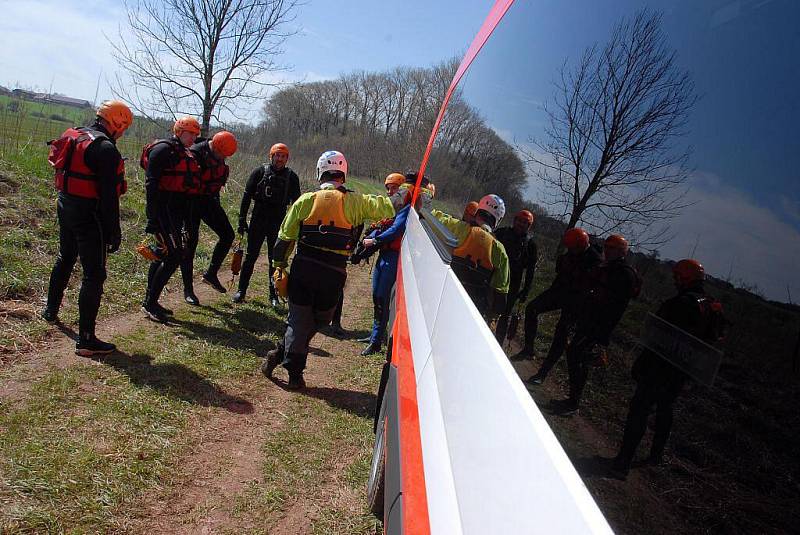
{"points": [[272, 187], [90, 177], [522, 257]]}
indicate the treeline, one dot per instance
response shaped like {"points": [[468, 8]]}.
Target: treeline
{"points": [[381, 121]]}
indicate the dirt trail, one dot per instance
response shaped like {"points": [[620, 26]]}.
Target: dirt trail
{"points": [[229, 455]]}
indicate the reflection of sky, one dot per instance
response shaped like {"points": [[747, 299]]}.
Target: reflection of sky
{"points": [[743, 56]]}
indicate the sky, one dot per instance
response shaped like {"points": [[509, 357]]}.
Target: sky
{"points": [[742, 55]]}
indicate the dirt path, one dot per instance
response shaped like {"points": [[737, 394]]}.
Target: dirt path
{"points": [[229, 452]]}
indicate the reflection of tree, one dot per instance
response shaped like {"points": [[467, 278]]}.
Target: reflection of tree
{"points": [[200, 57], [610, 160]]}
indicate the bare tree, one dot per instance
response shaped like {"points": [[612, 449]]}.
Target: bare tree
{"points": [[199, 57], [612, 160]]}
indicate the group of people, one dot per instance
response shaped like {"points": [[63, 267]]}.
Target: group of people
{"points": [[185, 174]]}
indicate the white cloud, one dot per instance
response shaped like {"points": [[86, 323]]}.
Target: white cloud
{"points": [[734, 234]]}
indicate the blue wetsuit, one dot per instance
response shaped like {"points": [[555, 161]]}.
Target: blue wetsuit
{"points": [[385, 273]]}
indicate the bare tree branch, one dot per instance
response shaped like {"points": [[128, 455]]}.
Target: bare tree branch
{"points": [[199, 57], [612, 160]]}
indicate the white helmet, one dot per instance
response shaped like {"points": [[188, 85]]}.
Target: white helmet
{"points": [[331, 160], [494, 206]]}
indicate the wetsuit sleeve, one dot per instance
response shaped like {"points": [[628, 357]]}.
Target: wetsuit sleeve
{"points": [[533, 258], [294, 187], [360, 208], [160, 158], [397, 228], [249, 193], [103, 158], [500, 276]]}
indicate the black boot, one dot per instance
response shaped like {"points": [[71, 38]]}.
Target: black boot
{"points": [[373, 347], [274, 357], [189, 297], [296, 381], [526, 353], [155, 312], [210, 278], [239, 296], [48, 315], [90, 345], [536, 379]]}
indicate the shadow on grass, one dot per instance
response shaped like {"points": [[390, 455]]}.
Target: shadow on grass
{"points": [[361, 404], [175, 381], [237, 332]]}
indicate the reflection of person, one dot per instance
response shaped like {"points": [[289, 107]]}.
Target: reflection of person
{"points": [[479, 260], [89, 177], [206, 208], [658, 383], [388, 235], [273, 187], [322, 223], [614, 284], [172, 172], [522, 257], [573, 280]]}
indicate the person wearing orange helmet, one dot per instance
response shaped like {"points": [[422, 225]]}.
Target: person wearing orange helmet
{"points": [[272, 187], [89, 177], [205, 207], [658, 382], [470, 209], [172, 173], [522, 257], [566, 293], [387, 236], [613, 284]]}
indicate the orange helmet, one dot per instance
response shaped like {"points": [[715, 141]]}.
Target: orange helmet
{"points": [[471, 209], [576, 239], [526, 215], [279, 147], [186, 124], [615, 241], [225, 143], [394, 179], [116, 113], [688, 271]]}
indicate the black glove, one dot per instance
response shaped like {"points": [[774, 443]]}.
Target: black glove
{"points": [[152, 227], [112, 246], [242, 226]]}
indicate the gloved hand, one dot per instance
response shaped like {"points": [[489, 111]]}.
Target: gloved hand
{"points": [[152, 227], [242, 226], [113, 243]]}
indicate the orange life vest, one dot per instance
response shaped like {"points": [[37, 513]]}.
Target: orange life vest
{"points": [[184, 176], [326, 226], [68, 157]]}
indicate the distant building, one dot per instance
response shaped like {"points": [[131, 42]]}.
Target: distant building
{"points": [[54, 99], [67, 101]]}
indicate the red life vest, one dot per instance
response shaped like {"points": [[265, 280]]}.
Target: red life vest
{"points": [[182, 177], [68, 157], [213, 178]]}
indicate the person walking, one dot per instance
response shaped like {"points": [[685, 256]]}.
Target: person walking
{"points": [[205, 207], [321, 223], [272, 187], [90, 178], [614, 284], [567, 292]]}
